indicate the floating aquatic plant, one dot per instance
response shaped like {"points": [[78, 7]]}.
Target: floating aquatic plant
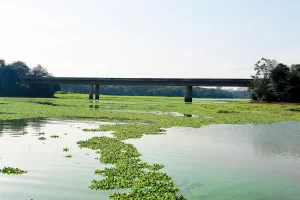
{"points": [[294, 109], [127, 131], [65, 149], [10, 170], [69, 156], [42, 138], [124, 157], [54, 136], [24, 132], [145, 180], [226, 111]]}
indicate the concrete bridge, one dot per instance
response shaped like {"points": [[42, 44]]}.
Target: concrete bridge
{"points": [[94, 83]]}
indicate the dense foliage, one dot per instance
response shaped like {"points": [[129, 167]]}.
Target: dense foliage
{"points": [[276, 82], [10, 85], [170, 91]]}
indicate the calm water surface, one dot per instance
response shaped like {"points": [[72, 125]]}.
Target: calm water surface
{"points": [[255, 162], [51, 175]]}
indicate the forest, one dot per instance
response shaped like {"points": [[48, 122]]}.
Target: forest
{"points": [[168, 91]]}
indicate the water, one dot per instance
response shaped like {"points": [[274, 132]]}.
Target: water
{"points": [[257, 162], [158, 112], [50, 174]]}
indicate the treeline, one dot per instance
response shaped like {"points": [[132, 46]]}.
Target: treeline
{"points": [[10, 85], [276, 82], [170, 91]]}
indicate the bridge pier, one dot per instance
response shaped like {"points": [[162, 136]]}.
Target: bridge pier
{"points": [[91, 91], [188, 94], [97, 90]]}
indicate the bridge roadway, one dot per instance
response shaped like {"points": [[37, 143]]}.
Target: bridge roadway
{"points": [[187, 82]]}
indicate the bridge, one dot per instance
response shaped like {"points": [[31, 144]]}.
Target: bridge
{"points": [[94, 83]]}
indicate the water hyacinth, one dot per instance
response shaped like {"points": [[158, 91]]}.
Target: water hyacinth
{"points": [[24, 132], [111, 149], [10, 170], [65, 149], [145, 180], [130, 131]]}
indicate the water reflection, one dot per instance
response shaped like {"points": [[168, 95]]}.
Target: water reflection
{"points": [[15, 127], [95, 106], [278, 139], [213, 162], [50, 172], [157, 112], [295, 109], [216, 161], [46, 103], [281, 139], [20, 124]]}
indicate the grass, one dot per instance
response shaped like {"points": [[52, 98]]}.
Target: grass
{"points": [[128, 171]]}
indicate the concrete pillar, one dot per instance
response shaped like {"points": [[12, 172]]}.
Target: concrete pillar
{"points": [[97, 91], [188, 94], [91, 92]]}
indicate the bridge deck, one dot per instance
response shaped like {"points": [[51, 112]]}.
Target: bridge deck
{"points": [[140, 81]]}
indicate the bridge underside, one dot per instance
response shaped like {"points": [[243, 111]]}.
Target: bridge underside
{"points": [[95, 82]]}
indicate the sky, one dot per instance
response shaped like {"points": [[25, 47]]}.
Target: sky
{"points": [[149, 38]]}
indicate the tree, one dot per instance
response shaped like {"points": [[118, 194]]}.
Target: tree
{"points": [[2, 63], [264, 67], [20, 68], [10, 84], [40, 71], [280, 81], [275, 82], [9, 77], [260, 87], [294, 90]]}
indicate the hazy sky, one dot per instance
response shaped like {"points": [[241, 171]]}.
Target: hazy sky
{"points": [[150, 38]]}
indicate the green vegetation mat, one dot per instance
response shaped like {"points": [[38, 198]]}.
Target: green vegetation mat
{"points": [[10, 170], [143, 115]]}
